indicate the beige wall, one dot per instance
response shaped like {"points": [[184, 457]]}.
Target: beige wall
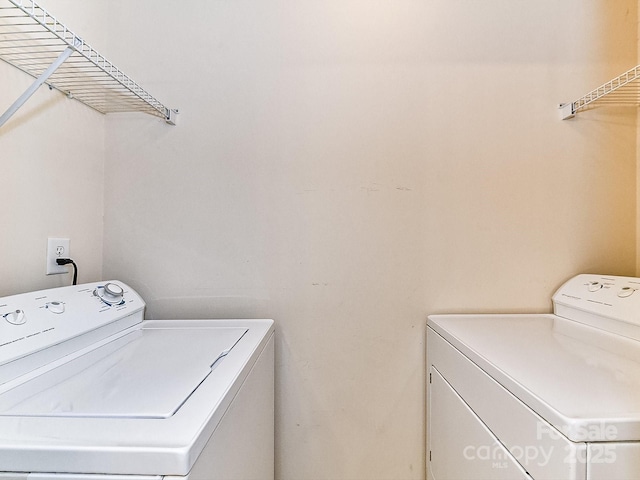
{"points": [[51, 172], [343, 166], [347, 167]]}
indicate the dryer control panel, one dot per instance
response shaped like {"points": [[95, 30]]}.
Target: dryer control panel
{"points": [[35, 321], [601, 300]]}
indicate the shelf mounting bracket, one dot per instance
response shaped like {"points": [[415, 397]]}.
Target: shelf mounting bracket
{"points": [[66, 53], [567, 110]]}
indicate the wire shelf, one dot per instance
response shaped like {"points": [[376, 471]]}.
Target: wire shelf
{"points": [[622, 90], [33, 40]]}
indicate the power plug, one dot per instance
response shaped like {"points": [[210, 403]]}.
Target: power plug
{"points": [[57, 248]]}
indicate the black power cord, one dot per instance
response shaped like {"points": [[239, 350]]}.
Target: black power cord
{"points": [[67, 261]]}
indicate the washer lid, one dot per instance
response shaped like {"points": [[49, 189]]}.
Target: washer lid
{"points": [[148, 373]]}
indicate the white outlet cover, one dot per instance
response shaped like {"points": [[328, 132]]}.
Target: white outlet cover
{"points": [[57, 248]]}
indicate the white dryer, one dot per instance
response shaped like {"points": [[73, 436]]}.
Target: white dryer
{"points": [[544, 397], [91, 391]]}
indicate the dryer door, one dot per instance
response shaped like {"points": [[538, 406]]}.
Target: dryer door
{"points": [[460, 445]]}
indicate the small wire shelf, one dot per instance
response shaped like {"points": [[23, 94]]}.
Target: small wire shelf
{"points": [[34, 41], [623, 90]]}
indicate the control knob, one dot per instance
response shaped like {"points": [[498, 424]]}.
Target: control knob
{"points": [[15, 318], [594, 286], [110, 293], [626, 292], [55, 307]]}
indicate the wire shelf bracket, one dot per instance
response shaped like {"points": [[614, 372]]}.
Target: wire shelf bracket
{"points": [[623, 90], [34, 41]]}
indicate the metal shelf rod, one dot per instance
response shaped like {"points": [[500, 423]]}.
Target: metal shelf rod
{"points": [[32, 89]]}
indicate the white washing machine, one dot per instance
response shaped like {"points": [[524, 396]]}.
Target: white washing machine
{"points": [[90, 391], [544, 397]]}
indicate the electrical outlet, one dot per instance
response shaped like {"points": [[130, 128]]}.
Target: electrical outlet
{"points": [[57, 248]]}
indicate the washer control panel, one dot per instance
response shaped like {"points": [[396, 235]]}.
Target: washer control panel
{"points": [[611, 297], [33, 321]]}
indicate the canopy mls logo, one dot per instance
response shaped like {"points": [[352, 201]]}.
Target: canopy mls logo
{"points": [[499, 457], [548, 447]]}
